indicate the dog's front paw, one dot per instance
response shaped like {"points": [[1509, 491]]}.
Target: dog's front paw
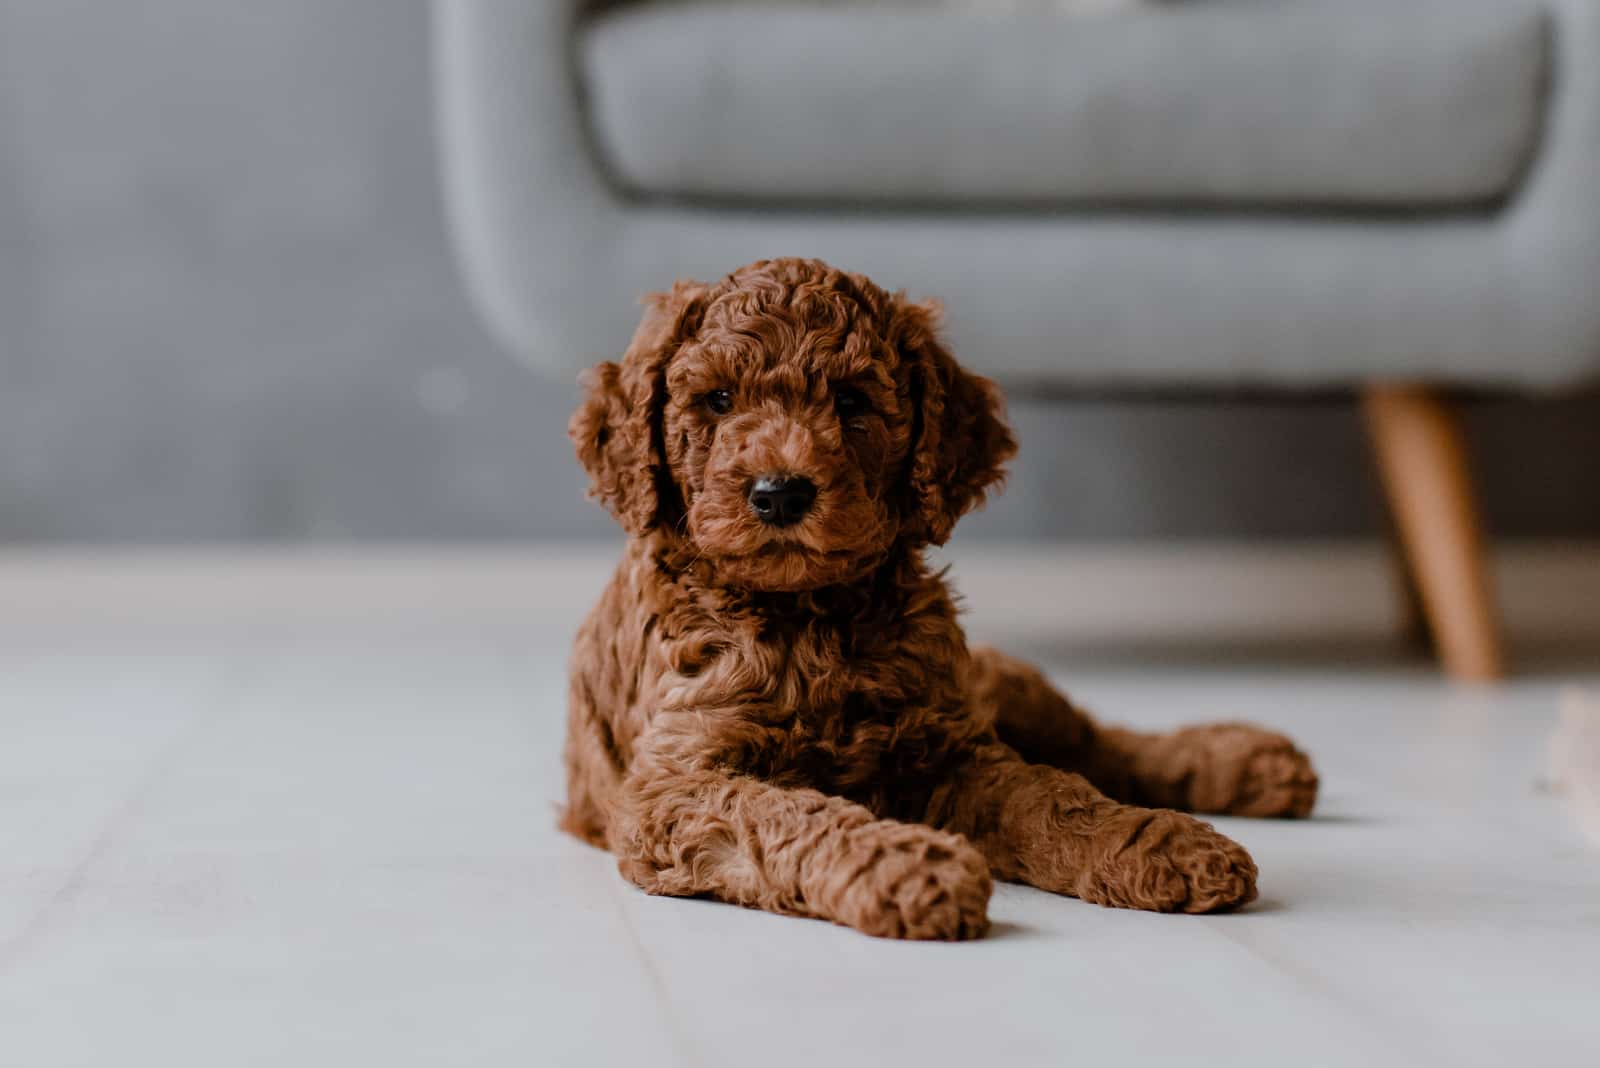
{"points": [[909, 881], [1168, 862], [1245, 770]]}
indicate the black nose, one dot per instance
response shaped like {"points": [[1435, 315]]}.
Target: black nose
{"points": [[781, 499]]}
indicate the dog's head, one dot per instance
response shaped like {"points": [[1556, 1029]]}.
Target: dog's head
{"points": [[792, 423]]}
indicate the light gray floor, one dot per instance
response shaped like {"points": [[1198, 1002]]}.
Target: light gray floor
{"points": [[333, 845]]}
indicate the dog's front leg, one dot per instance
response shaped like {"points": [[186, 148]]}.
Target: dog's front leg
{"points": [[687, 832], [1052, 829]]}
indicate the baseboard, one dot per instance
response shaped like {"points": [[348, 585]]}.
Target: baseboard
{"points": [[1549, 591]]}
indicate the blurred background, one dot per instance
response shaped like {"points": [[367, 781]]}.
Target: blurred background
{"points": [[293, 297], [229, 313]]}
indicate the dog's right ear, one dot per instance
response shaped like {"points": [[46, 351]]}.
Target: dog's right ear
{"points": [[617, 428]]}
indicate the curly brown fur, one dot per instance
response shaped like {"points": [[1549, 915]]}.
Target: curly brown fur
{"points": [[1233, 769], [789, 717]]}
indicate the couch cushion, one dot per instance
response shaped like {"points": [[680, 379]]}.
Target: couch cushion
{"points": [[1326, 103]]}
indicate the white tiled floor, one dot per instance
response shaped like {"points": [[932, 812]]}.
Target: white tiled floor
{"points": [[334, 846]]}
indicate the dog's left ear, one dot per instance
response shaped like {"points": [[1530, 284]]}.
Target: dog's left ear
{"points": [[961, 439], [617, 429]]}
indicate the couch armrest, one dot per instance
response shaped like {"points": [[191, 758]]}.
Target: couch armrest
{"points": [[1553, 228], [530, 211]]}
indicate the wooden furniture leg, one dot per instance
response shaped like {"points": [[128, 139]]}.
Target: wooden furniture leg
{"points": [[1413, 618], [1422, 462]]}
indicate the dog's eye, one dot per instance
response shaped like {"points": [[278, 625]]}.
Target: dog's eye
{"points": [[850, 403], [718, 401]]}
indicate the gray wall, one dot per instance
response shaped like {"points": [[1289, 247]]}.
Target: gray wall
{"points": [[227, 311]]}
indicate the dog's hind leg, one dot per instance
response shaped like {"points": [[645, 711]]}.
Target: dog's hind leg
{"points": [[1224, 768]]}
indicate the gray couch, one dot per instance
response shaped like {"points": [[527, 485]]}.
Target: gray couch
{"points": [[1390, 195]]}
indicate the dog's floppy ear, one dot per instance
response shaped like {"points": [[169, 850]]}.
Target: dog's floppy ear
{"points": [[617, 429], [960, 439]]}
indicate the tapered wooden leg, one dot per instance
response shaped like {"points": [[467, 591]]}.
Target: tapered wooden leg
{"points": [[1422, 461], [1413, 621]]}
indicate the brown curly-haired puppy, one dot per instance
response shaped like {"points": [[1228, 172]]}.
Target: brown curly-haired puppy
{"points": [[773, 703]]}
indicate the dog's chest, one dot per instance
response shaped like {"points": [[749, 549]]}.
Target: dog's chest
{"points": [[845, 715], [859, 740]]}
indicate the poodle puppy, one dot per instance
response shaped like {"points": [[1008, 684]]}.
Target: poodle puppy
{"points": [[773, 703]]}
